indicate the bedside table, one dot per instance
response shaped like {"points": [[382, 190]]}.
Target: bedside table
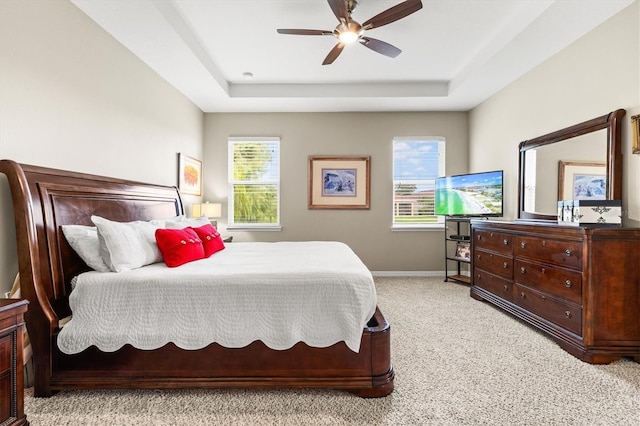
{"points": [[11, 362]]}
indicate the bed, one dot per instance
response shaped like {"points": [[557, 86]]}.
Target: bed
{"points": [[45, 199]]}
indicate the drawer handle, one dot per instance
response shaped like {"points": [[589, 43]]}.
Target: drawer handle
{"points": [[505, 287], [505, 265], [523, 244], [567, 283], [523, 270], [505, 242], [568, 314], [479, 237], [567, 252], [523, 296]]}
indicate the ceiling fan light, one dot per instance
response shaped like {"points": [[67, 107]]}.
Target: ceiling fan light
{"points": [[348, 33], [348, 37]]}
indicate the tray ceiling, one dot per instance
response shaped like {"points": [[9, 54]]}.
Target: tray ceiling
{"points": [[455, 53]]}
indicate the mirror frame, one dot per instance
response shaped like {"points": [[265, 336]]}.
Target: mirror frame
{"points": [[613, 123]]}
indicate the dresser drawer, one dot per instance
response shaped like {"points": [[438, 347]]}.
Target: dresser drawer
{"points": [[499, 286], [566, 315], [5, 402], [558, 282], [494, 241], [5, 353], [558, 252], [5, 377], [494, 263]]}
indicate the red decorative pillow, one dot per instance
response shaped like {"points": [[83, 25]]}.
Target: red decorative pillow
{"points": [[179, 246], [211, 239]]}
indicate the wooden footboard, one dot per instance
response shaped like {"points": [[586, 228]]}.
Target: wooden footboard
{"points": [[367, 373], [44, 199]]}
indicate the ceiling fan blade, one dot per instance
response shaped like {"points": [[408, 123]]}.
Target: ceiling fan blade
{"points": [[335, 52], [339, 8], [304, 32], [380, 46], [392, 14]]}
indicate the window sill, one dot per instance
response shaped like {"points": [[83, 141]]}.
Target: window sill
{"points": [[254, 228], [434, 227]]}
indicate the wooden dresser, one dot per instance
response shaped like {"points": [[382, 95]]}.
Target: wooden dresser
{"points": [[11, 365], [580, 285]]}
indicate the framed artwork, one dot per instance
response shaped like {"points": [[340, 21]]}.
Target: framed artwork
{"points": [[463, 251], [635, 128], [582, 180], [339, 182], [189, 175]]}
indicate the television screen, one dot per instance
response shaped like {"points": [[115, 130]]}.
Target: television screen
{"points": [[474, 194]]}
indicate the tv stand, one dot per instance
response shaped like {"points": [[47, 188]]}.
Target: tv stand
{"points": [[457, 246]]}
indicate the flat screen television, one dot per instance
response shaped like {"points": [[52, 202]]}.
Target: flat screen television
{"points": [[473, 194]]}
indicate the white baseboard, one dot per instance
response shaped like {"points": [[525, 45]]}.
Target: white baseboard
{"points": [[407, 273]]}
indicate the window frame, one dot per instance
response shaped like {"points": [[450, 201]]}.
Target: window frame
{"points": [[231, 224], [439, 223]]}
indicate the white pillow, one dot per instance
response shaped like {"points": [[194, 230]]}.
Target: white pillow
{"points": [[161, 222], [127, 245], [184, 222], [84, 240]]}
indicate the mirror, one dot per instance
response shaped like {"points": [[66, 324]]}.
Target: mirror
{"points": [[584, 160]]}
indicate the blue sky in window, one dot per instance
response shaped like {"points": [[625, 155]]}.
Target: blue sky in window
{"points": [[415, 160]]}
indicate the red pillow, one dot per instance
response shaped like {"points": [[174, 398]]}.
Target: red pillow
{"points": [[211, 239], [179, 246]]}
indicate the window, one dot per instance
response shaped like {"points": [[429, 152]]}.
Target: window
{"points": [[254, 183], [417, 162]]}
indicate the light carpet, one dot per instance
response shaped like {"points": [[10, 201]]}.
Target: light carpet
{"points": [[458, 361]]}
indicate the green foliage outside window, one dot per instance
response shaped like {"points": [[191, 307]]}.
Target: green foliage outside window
{"points": [[255, 182], [255, 204]]}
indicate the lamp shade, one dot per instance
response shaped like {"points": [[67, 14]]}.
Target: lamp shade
{"points": [[207, 209]]}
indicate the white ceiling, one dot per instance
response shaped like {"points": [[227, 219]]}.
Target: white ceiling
{"points": [[456, 53]]}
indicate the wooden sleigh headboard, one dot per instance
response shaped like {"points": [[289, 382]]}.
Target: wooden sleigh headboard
{"points": [[43, 200]]}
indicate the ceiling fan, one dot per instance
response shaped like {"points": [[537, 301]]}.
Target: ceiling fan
{"points": [[349, 31]]}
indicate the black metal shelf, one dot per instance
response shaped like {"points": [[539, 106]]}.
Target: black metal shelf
{"points": [[460, 227]]}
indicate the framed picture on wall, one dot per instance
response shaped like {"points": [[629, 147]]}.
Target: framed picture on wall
{"points": [[339, 182], [189, 175]]}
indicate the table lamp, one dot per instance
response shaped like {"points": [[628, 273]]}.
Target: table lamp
{"points": [[211, 210]]}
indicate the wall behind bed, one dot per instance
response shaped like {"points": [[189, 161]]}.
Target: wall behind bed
{"points": [[72, 97], [368, 232]]}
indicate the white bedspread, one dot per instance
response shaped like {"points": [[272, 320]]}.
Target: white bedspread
{"points": [[280, 293]]}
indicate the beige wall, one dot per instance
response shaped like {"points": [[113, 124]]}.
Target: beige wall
{"points": [[72, 97], [302, 134], [595, 75]]}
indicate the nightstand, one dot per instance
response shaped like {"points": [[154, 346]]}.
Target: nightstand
{"points": [[11, 362]]}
